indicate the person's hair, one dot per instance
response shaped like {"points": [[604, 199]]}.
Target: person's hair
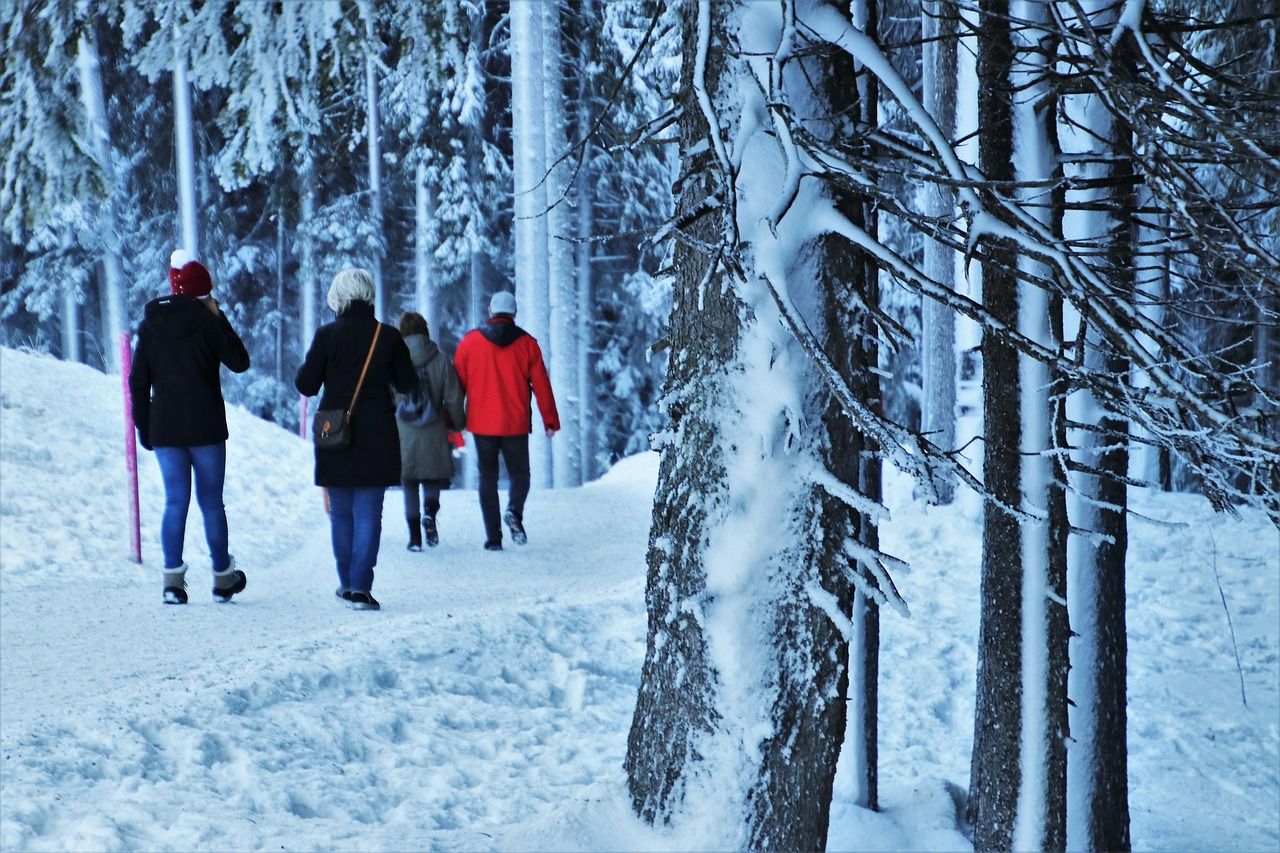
{"points": [[413, 323], [351, 285]]}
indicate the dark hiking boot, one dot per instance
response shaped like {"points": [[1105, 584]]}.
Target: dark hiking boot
{"points": [[175, 585], [516, 527], [429, 528], [228, 583], [344, 594], [493, 546], [415, 534], [364, 601]]}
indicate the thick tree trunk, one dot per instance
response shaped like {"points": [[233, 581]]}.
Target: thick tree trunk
{"points": [[996, 771], [941, 29], [741, 707]]}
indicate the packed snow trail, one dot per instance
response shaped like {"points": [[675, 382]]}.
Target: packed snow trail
{"points": [[487, 705]]}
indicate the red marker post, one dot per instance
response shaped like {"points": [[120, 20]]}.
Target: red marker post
{"points": [[130, 449]]}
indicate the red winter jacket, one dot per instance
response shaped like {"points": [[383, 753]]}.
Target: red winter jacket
{"points": [[498, 365]]}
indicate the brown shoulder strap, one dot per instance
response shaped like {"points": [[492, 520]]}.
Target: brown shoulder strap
{"points": [[376, 329]]}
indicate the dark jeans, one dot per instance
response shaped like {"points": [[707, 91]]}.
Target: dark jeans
{"points": [[515, 453], [209, 461], [355, 525], [430, 497]]}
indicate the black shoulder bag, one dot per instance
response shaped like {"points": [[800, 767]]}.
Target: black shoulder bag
{"points": [[331, 429]]}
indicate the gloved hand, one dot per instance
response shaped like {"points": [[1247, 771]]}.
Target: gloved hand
{"points": [[144, 439]]}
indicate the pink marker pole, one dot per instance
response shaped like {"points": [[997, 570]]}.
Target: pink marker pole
{"points": [[302, 416], [130, 450]]}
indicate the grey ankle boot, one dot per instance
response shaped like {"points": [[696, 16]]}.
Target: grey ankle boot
{"points": [[227, 583], [175, 585]]}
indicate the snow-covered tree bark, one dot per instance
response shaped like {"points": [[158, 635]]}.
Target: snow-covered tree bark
{"points": [[740, 716], [1099, 806], [1041, 819], [529, 162], [941, 31], [99, 135], [561, 284]]}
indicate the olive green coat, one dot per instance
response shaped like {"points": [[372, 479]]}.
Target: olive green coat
{"points": [[425, 453]]}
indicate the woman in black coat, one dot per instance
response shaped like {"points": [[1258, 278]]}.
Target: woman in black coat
{"points": [[357, 476], [176, 392]]}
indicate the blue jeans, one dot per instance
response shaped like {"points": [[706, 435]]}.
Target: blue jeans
{"points": [[355, 524], [209, 461]]}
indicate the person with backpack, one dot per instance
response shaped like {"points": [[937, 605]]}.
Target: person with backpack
{"points": [[175, 387], [499, 364], [357, 360], [425, 418]]}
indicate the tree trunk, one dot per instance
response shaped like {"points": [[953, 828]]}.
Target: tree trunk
{"points": [[528, 137], [941, 23], [307, 271], [561, 287], [1041, 820], [740, 712], [1099, 757], [424, 296], [585, 197], [279, 307], [854, 340], [995, 778], [373, 132], [99, 135], [183, 134]]}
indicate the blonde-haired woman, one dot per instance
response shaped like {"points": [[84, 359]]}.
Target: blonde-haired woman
{"points": [[358, 475]]}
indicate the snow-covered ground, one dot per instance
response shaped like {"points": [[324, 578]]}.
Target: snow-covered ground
{"points": [[487, 705]]}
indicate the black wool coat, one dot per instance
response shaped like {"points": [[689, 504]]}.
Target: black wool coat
{"points": [[175, 382], [334, 360]]}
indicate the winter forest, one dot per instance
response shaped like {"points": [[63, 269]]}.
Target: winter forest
{"points": [[1018, 253]]}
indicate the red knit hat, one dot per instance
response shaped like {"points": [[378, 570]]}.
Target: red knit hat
{"points": [[187, 276]]}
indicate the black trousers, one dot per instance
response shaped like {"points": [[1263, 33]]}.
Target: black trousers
{"points": [[515, 453]]}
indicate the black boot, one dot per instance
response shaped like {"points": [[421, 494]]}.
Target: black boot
{"points": [[433, 533], [415, 535], [228, 582]]}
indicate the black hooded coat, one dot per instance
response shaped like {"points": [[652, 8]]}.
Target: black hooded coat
{"points": [[175, 382], [334, 361]]}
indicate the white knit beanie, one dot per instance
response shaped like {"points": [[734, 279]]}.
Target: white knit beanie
{"points": [[351, 285], [502, 302]]}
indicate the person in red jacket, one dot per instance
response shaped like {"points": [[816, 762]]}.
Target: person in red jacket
{"points": [[498, 365]]}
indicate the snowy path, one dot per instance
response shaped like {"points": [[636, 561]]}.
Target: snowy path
{"points": [[490, 692], [486, 675]]}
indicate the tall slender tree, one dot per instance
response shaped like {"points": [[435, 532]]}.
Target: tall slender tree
{"points": [[940, 31]]}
